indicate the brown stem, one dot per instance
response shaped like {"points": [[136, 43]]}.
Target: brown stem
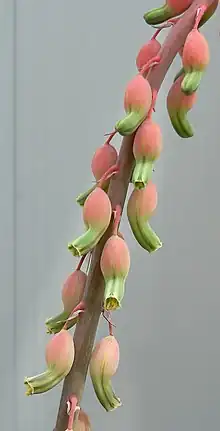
{"points": [[86, 328]]}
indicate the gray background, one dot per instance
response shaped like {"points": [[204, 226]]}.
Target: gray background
{"points": [[63, 69]]}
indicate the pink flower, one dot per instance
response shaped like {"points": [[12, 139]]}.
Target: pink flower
{"points": [[148, 51], [97, 213], [104, 158], [103, 365], [178, 105], [195, 60], [59, 356], [140, 208], [72, 293], [115, 264], [146, 149], [169, 10], [83, 422], [137, 103]]}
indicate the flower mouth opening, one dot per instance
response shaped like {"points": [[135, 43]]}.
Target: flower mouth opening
{"points": [[111, 304], [29, 387], [139, 185], [74, 250]]}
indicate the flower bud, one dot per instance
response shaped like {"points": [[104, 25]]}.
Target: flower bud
{"points": [[97, 213], [148, 51], [115, 265], [178, 105], [140, 208], [169, 10], [72, 293], [137, 103], [195, 60], [59, 357], [103, 365], [146, 149], [104, 158], [82, 423]]}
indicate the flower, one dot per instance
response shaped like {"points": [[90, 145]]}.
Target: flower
{"points": [[115, 265], [178, 105], [169, 10], [148, 51], [72, 293], [59, 356], [146, 149], [195, 60], [141, 206], [97, 213], [137, 103], [103, 365]]}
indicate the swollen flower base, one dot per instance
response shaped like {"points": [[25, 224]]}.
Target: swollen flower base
{"points": [[97, 215], [103, 365], [59, 358]]}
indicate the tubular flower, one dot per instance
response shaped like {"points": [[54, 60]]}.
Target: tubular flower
{"points": [[170, 9], [146, 149], [115, 265], [178, 105], [141, 206], [148, 51], [72, 293], [97, 213], [137, 103], [104, 158], [103, 365], [59, 358], [195, 60]]}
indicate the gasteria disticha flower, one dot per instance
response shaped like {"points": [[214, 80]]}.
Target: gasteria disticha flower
{"points": [[103, 365], [148, 51], [140, 208], [72, 293], [178, 105], [146, 149], [170, 9], [195, 60], [104, 158], [115, 265], [82, 422], [137, 103], [97, 213], [59, 356]]}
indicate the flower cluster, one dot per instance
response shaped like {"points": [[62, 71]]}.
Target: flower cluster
{"points": [[101, 219]]}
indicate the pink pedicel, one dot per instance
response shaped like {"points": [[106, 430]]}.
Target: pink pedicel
{"points": [[72, 294], [103, 365], [115, 265], [59, 357], [148, 51], [97, 213], [104, 158]]}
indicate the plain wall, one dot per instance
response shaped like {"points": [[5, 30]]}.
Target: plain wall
{"points": [[63, 70]]}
